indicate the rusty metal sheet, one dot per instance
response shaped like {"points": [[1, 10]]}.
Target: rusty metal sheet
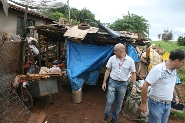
{"points": [[76, 33]]}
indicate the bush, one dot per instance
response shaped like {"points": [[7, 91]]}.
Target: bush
{"points": [[181, 41]]}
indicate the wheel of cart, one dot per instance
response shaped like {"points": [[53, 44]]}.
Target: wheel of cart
{"points": [[26, 97], [65, 83]]}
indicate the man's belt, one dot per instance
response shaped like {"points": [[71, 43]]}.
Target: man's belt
{"points": [[117, 80], [159, 100]]}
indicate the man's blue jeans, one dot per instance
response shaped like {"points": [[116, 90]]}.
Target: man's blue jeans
{"points": [[116, 91], [158, 111]]}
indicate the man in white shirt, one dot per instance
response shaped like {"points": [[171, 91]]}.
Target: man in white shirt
{"points": [[162, 79], [118, 67]]}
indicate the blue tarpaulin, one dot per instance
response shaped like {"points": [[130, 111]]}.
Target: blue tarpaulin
{"points": [[84, 62], [132, 53]]}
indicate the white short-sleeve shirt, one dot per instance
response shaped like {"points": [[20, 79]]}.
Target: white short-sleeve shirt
{"points": [[162, 81], [120, 69]]}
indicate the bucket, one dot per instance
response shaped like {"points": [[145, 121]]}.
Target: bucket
{"points": [[77, 96]]}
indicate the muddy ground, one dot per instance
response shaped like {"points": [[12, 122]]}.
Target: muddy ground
{"points": [[90, 110]]}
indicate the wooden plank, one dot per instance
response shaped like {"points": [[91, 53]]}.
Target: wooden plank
{"points": [[41, 117], [46, 74]]}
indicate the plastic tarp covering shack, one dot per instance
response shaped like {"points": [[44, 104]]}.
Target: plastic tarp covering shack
{"points": [[132, 53], [84, 62]]}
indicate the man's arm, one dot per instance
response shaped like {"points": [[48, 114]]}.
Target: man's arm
{"points": [[107, 73], [144, 91], [133, 78], [175, 96], [134, 82]]}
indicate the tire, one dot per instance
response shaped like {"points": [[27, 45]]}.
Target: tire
{"points": [[83, 26], [27, 99]]}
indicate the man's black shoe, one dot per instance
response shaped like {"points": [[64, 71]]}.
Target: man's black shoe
{"points": [[114, 121], [105, 119]]}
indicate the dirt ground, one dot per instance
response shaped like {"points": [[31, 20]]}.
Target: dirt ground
{"points": [[90, 110]]}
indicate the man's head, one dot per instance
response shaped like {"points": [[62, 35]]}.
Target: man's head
{"points": [[178, 57], [119, 50]]}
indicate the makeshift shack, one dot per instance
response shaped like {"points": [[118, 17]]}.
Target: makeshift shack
{"points": [[86, 49]]}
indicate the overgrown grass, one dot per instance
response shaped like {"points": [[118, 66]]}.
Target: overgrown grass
{"points": [[169, 46]]}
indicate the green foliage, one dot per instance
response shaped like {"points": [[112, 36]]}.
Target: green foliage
{"points": [[168, 46], [131, 23], [64, 10], [78, 16], [181, 41], [181, 73], [178, 115], [56, 15], [85, 15], [46, 12]]}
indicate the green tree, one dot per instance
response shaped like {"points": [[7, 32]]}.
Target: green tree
{"points": [[85, 16], [78, 16], [132, 23], [64, 10], [56, 15], [166, 35], [181, 41]]}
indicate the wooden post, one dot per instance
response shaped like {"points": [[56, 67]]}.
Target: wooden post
{"points": [[46, 53], [58, 50], [25, 16], [39, 51], [22, 49], [21, 58]]}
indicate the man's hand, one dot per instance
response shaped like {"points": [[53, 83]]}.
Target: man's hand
{"points": [[143, 108], [104, 86], [133, 89], [176, 100]]}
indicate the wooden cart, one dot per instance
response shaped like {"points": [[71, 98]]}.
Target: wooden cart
{"points": [[40, 85]]}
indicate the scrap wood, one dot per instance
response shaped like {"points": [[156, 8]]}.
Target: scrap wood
{"points": [[40, 76], [46, 74], [37, 118], [41, 117]]}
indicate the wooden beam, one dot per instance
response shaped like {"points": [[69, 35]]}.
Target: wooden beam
{"points": [[46, 53], [39, 51]]}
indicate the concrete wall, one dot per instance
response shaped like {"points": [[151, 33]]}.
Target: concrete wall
{"points": [[9, 24]]}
